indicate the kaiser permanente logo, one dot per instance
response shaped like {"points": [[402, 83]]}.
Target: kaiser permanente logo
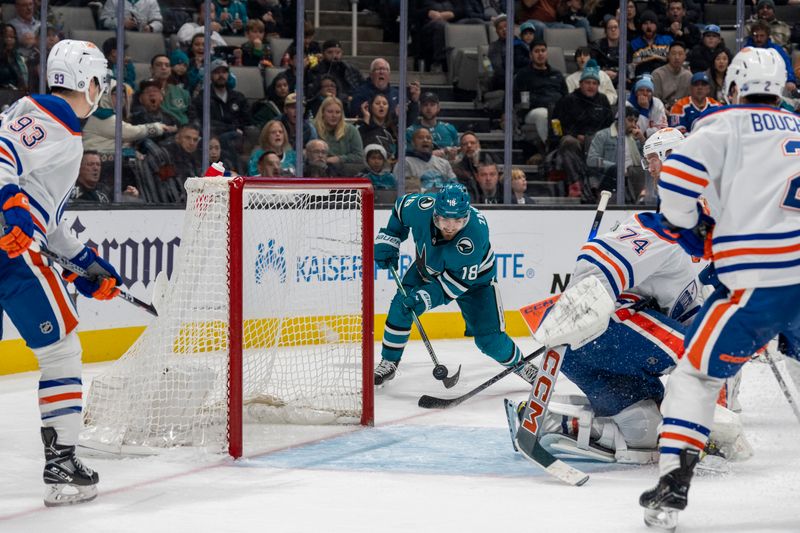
{"points": [[307, 268]]}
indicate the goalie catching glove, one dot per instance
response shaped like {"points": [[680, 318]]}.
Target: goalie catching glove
{"points": [[387, 250], [16, 222], [102, 278]]}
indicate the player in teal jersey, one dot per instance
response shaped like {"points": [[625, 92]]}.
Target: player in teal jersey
{"points": [[454, 261]]}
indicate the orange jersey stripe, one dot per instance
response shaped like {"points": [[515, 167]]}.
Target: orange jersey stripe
{"points": [[4, 153], [704, 334], [60, 397], [608, 260], [672, 171], [677, 436], [70, 320], [672, 341], [757, 251]]}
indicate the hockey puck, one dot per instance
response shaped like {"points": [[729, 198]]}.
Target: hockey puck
{"points": [[440, 372]]}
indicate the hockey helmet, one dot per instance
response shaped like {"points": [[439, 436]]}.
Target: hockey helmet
{"points": [[661, 143], [452, 201], [755, 71], [73, 64]]}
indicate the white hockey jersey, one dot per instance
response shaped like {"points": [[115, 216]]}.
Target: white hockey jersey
{"points": [[41, 150], [634, 261], [746, 160]]}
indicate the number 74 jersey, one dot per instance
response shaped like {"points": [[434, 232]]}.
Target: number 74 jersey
{"points": [[41, 150]]}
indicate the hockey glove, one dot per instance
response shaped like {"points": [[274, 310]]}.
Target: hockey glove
{"points": [[695, 241], [102, 278], [387, 250], [16, 224], [418, 301]]}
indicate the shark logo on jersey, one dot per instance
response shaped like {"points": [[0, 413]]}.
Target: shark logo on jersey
{"points": [[426, 202], [465, 246]]}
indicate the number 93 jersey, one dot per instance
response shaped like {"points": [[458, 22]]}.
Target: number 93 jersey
{"points": [[41, 150], [464, 262]]}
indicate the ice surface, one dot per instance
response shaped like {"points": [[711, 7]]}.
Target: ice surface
{"points": [[415, 471]]}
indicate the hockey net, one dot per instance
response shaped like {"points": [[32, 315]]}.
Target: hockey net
{"points": [[267, 319]]}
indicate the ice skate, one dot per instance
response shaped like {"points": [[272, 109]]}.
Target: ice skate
{"points": [[385, 371], [67, 480], [663, 502]]}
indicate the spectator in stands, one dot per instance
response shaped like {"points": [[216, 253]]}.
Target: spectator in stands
{"points": [[434, 17], [273, 137], [150, 108], [140, 15], [232, 15], [527, 32], [702, 55], [760, 38], [686, 110], [376, 168], [185, 161], [497, 53], [269, 165], [606, 50], [546, 14], [779, 31], [179, 62], [176, 99], [432, 171], [289, 121], [269, 12], [602, 157], [196, 68], [347, 76], [215, 155], [652, 113], [537, 88], [634, 21], [99, 131], [584, 59], [445, 135], [679, 27], [229, 112], [311, 48], [272, 106], [490, 190], [326, 86], [187, 31], [32, 62], [88, 187], [649, 49], [465, 166], [671, 82], [110, 51], [13, 69], [716, 74], [344, 142], [318, 161], [25, 23], [288, 63], [256, 51], [377, 125], [519, 188], [378, 82]]}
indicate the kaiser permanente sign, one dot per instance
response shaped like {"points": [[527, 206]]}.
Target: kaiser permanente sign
{"points": [[535, 253]]}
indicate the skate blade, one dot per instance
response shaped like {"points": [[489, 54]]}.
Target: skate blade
{"points": [[61, 494], [664, 519]]}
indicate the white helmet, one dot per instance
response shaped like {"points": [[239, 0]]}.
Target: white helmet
{"points": [[661, 143], [756, 71], [73, 64]]}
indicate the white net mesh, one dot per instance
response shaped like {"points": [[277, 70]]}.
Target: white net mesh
{"points": [[302, 324]]}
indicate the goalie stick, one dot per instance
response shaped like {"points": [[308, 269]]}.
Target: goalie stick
{"points": [[66, 263], [527, 437], [432, 402], [439, 370]]}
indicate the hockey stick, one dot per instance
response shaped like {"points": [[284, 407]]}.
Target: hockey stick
{"points": [[439, 370], [785, 382], [432, 402], [66, 263], [527, 437]]}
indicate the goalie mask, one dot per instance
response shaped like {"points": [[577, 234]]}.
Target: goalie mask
{"points": [[73, 65], [451, 210], [755, 71]]}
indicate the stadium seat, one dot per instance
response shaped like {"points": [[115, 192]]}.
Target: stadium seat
{"points": [[720, 14], [95, 36], [143, 46], [729, 36], [74, 18], [8, 11], [142, 72], [568, 39], [235, 40], [249, 82], [555, 56], [597, 33], [278, 47], [462, 42], [269, 75]]}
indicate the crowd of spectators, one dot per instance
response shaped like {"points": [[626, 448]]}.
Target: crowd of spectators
{"points": [[564, 122]]}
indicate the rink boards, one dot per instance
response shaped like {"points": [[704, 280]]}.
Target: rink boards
{"points": [[535, 252]]}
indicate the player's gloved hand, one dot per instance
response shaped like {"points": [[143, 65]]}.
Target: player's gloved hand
{"points": [[695, 241], [387, 250], [16, 224], [418, 301], [102, 280], [708, 276]]}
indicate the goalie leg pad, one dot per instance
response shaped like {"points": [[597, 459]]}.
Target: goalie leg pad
{"points": [[580, 315]]}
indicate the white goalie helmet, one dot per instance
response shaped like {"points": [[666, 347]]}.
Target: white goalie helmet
{"points": [[73, 64], [756, 71], [661, 143]]}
